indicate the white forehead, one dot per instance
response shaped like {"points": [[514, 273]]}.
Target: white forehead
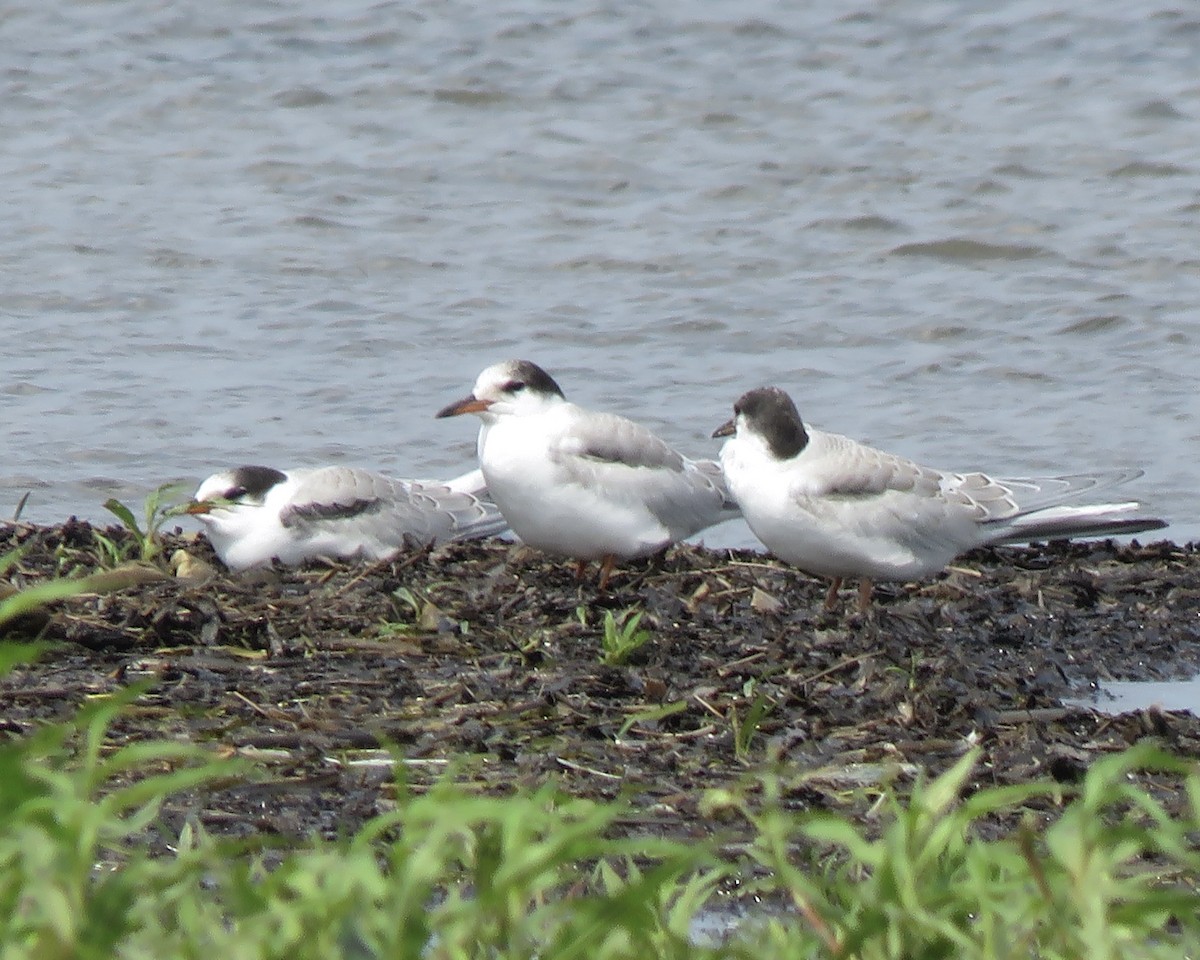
{"points": [[216, 486], [495, 378]]}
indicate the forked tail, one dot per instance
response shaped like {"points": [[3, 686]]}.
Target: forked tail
{"points": [[1062, 522]]}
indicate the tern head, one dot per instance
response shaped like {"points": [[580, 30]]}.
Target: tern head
{"points": [[769, 415], [513, 387], [242, 486]]}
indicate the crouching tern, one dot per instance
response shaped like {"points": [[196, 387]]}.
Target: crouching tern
{"points": [[253, 515]]}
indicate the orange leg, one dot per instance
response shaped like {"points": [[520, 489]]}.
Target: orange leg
{"points": [[865, 587], [606, 569], [831, 594], [580, 569]]}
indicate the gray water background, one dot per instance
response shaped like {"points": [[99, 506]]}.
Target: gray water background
{"points": [[288, 232]]}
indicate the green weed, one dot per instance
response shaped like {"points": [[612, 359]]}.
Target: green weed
{"points": [[164, 503], [651, 715], [72, 876], [622, 637], [26, 600], [450, 874], [1113, 876], [745, 726]]}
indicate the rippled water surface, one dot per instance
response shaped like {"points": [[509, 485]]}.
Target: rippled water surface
{"points": [[289, 232]]}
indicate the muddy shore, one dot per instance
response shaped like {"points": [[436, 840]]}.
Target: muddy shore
{"points": [[485, 660]]}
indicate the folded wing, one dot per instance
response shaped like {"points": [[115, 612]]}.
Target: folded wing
{"points": [[373, 507], [623, 461]]}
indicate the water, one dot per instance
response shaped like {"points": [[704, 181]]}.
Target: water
{"points": [[289, 232], [1125, 696]]}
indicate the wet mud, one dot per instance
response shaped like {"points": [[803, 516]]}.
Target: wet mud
{"points": [[483, 662]]}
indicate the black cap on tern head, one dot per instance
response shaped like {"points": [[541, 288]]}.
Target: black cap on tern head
{"points": [[254, 481], [526, 373], [502, 380], [247, 485], [773, 415]]}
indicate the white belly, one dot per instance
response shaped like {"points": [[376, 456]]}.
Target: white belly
{"points": [[550, 511], [888, 537]]}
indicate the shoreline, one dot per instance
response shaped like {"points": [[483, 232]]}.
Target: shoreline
{"points": [[483, 661]]}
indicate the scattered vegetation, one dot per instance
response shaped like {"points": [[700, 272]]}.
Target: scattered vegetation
{"points": [[15, 602], [25, 602], [161, 505], [106, 568], [622, 637], [120, 836], [746, 724], [448, 873], [1112, 876]]}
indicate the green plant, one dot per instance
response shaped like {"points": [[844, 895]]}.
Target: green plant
{"points": [[426, 616], [450, 874], [446, 874], [651, 715], [529, 875], [161, 505], [622, 637], [32, 598], [746, 725], [1113, 877], [71, 882], [109, 553]]}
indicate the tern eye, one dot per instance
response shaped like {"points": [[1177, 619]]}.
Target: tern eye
{"points": [[235, 493], [514, 386]]}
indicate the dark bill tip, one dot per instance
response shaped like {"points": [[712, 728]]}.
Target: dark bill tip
{"points": [[727, 429], [465, 405]]}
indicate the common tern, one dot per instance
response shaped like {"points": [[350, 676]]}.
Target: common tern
{"points": [[253, 515], [838, 508], [582, 484]]}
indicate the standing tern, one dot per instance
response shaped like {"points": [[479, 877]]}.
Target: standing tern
{"points": [[253, 515], [838, 508], [581, 484]]}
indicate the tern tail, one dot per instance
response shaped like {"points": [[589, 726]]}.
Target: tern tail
{"points": [[1060, 523]]}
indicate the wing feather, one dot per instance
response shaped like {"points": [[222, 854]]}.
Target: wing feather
{"points": [[607, 438], [1000, 509], [840, 467], [629, 464], [362, 504]]}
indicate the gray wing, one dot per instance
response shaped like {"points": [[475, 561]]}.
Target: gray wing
{"points": [[365, 504], [607, 438], [1042, 512], [713, 471], [471, 482], [999, 509], [1037, 493], [1001, 500], [867, 502], [852, 469], [627, 462], [837, 466]]}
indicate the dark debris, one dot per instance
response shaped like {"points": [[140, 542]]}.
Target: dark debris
{"points": [[485, 659]]}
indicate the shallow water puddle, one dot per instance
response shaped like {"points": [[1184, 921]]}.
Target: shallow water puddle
{"points": [[1125, 696]]}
